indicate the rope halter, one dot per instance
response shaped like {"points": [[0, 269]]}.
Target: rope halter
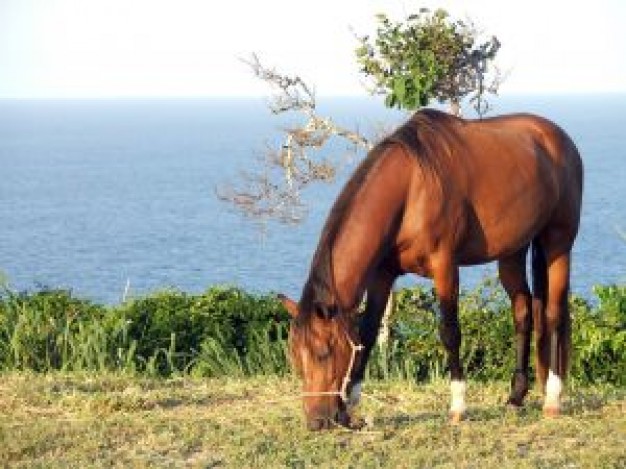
{"points": [[343, 390]]}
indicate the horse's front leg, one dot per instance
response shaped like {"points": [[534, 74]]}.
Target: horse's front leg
{"points": [[446, 277], [512, 271], [377, 296]]}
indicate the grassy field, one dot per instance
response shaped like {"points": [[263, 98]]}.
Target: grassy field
{"points": [[114, 421]]}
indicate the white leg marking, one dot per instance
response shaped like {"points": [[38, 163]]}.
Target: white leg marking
{"points": [[553, 391], [355, 395], [457, 389]]}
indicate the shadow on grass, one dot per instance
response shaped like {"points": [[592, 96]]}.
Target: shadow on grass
{"points": [[580, 402], [531, 412], [397, 422], [575, 404]]}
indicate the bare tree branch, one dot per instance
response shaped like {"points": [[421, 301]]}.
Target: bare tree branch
{"points": [[293, 93], [273, 189]]}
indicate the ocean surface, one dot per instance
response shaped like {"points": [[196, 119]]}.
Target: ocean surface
{"points": [[95, 195]]}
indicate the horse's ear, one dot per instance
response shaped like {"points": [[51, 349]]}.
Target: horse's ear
{"points": [[290, 305]]}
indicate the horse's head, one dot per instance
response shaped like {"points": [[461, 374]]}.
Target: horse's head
{"points": [[324, 351]]}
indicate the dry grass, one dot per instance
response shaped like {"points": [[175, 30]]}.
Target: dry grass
{"points": [[112, 421]]}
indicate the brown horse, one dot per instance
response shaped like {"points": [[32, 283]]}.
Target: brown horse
{"points": [[439, 193]]}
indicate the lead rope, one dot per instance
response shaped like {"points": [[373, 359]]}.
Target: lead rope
{"points": [[343, 391]]}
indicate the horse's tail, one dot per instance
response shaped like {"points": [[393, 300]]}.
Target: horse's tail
{"points": [[540, 286]]}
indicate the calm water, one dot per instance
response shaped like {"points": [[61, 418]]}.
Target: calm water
{"points": [[93, 194]]}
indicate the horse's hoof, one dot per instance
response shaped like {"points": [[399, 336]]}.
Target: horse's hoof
{"points": [[551, 412], [456, 418]]}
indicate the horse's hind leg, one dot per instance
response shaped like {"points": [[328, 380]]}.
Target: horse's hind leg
{"points": [[512, 272], [555, 341]]}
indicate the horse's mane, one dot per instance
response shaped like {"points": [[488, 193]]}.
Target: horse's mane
{"points": [[428, 136]]}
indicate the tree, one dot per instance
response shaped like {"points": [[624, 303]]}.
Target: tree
{"points": [[273, 190], [428, 56]]}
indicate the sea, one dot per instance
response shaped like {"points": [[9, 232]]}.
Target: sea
{"points": [[117, 198]]}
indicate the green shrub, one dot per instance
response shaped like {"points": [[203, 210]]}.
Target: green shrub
{"points": [[165, 332], [599, 337], [414, 350], [214, 333], [50, 329], [244, 333], [161, 334], [486, 326], [226, 331]]}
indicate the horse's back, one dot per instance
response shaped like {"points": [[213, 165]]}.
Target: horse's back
{"points": [[534, 172], [544, 133], [527, 141], [554, 144], [500, 181]]}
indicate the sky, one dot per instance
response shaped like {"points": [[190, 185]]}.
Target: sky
{"points": [[180, 48]]}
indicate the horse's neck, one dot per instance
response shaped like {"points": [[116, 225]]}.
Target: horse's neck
{"points": [[369, 227]]}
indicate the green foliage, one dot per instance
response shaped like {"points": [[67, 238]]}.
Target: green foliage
{"points": [[50, 329], [486, 325], [245, 334], [414, 349], [228, 332], [427, 57], [599, 336], [166, 333]]}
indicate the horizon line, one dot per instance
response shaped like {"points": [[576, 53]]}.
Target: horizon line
{"points": [[139, 97]]}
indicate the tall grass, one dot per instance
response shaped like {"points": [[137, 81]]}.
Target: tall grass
{"points": [[226, 331], [223, 331]]}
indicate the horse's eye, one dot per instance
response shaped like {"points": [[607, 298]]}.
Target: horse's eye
{"points": [[323, 356], [319, 348]]}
